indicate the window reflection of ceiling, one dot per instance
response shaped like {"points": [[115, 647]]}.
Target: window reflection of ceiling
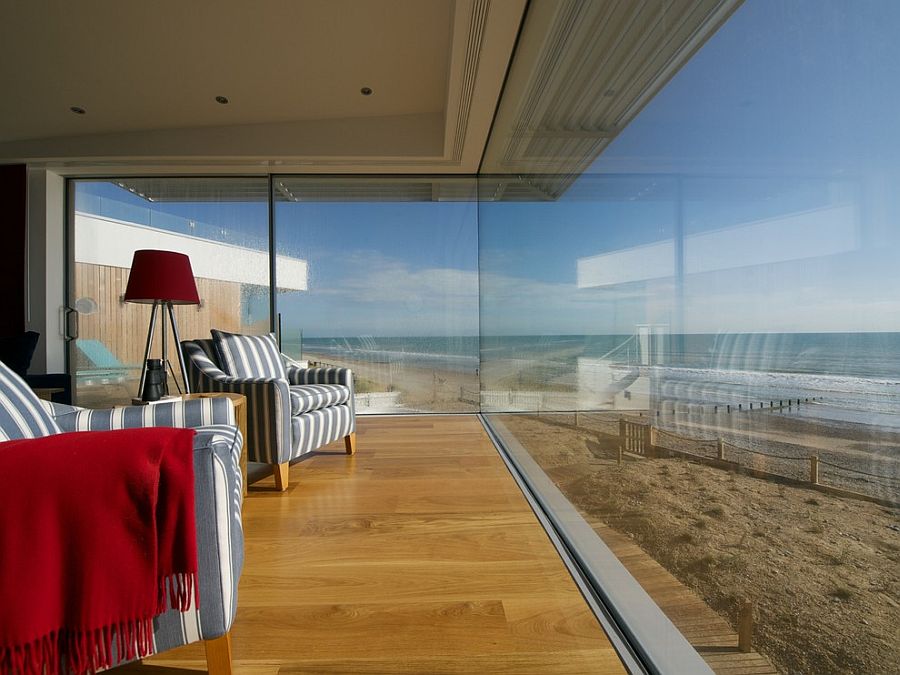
{"points": [[581, 73]]}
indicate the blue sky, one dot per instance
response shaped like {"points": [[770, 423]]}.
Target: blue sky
{"points": [[791, 108]]}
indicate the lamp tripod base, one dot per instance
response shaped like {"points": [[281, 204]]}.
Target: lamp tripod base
{"points": [[167, 365]]}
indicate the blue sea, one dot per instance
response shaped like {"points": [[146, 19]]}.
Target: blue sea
{"points": [[854, 377]]}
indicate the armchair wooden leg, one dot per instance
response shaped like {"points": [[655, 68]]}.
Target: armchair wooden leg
{"points": [[350, 443], [282, 472], [218, 655]]}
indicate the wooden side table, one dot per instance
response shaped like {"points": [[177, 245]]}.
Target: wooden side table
{"points": [[240, 414], [46, 393]]}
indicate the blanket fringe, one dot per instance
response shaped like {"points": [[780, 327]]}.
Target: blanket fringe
{"points": [[178, 591], [81, 652]]}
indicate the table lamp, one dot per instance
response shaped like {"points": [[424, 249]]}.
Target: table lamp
{"points": [[163, 279]]}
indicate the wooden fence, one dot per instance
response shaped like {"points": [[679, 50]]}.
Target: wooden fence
{"points": [[644, 440]]}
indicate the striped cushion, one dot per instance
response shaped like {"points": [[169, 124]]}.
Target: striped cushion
{"points": [[319, 427], [249, 355], [306, 397], [21, 412]]}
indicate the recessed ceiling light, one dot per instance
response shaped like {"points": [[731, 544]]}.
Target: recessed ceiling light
{"points": [[222, 99], [366, 91], [78, 110]]}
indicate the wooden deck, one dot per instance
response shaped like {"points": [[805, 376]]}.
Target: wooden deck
{"points": [[710, 634], [417, 555]]}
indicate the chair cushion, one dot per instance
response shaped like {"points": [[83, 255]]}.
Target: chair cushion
{"points": [[21, 412], [249, 356], [306, 397]]}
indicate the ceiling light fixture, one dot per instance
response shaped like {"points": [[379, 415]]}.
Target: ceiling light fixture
{"points": [[78, 110], [366, 91], [222, 99]]}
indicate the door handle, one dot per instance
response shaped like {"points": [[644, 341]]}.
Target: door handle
{"points": [[68, 314]]}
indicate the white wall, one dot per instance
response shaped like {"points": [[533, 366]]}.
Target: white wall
{"points": [[793, 236], [46, 268], [111, 242]]}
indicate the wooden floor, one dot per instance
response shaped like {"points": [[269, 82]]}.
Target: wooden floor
{"points": [[417, 555]]}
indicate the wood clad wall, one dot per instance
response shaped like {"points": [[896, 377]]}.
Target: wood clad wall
{"points": [[123, 327]]}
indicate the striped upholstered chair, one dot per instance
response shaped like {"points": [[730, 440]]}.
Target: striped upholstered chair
{"points": [[291, 410], [217, 498]]}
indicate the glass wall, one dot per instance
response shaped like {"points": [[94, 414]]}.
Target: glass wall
{"points": [[220, 223], [697, 337], [393, 285]]}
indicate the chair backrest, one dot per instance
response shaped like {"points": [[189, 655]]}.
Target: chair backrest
{"points": [[249, 356], [202, 364], [21, 413], [209, 348]]}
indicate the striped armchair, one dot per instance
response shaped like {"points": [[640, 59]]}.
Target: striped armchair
{"points": [[286, 417], [217, 498]]}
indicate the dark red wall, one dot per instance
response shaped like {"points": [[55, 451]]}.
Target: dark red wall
{"points": [[13, 225]]}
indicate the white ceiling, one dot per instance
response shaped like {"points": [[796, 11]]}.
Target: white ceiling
{"points": [[147, 73]]}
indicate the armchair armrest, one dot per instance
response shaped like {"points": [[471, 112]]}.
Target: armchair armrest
{"points": [[220, 539], [298, 375], [268, 413], [333, 375], [192, 414]]}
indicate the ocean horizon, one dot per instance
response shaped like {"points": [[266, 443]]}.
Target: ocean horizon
{"points": [[849, 354], [855, 376]]}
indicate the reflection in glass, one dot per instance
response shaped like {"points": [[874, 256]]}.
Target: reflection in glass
{"points": [[220, 223], [702, 329], [393, 287]]}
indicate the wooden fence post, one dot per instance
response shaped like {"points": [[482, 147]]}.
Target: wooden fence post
{"points": [[745, 627], [814, 470], [720, 448], [622, 439]]}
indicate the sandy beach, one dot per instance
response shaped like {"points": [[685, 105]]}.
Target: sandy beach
{"points": [[419, 389], [822, 570]]}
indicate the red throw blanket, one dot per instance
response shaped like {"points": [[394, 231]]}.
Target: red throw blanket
{"points": [[97, 536]]}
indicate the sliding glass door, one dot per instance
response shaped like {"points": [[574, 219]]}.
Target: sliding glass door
{"points": [[220, 223]]}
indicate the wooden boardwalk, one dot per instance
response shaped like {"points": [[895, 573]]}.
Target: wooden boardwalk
{"points": [[417, 555], [710, 634]]}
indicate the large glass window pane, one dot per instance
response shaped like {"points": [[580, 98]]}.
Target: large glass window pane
{"points": [[220, 223], [392, 287], [697, 338]]}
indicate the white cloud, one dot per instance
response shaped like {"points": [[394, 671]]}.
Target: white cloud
{"points": [[372, 278]]}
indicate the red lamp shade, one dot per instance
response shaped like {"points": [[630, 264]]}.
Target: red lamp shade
{"points": [[161, 275]]}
